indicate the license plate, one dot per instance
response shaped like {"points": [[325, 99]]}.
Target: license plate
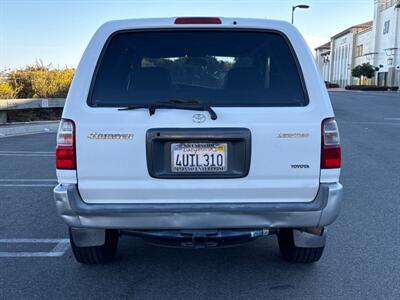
{"points": [[199, 157]]}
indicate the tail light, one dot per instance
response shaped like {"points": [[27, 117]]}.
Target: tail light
{"points": [[330, 149], [65, 150]]}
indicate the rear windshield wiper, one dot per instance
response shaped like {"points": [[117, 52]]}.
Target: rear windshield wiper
{"points": [[175, 104]]}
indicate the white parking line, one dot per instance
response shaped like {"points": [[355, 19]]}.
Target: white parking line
{"points": [[27, 185], [369, 123], [391, 119], [62, 245], [29, 155], [26, 153], [35, 182], [31, 254], [3, 136], [37, 241], [26, 180]]}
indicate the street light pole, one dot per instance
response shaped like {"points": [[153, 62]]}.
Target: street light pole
{"points": [[293, 9], [298, 6]]}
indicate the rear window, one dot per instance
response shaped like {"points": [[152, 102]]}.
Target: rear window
{"points": [[219, 68]]}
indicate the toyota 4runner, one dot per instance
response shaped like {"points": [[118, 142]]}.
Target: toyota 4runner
{"points": [[197, 132]]}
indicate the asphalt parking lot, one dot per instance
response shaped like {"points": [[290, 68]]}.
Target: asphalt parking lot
{"points": [[361, 259]]}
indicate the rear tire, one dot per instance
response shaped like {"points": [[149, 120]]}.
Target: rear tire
{"points": [[97, 254], [292, 253]]}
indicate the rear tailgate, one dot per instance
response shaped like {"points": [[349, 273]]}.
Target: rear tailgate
{"points": [[284, 167], [239, 72]]}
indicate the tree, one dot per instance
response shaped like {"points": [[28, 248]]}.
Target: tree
{"points": [[365, 70]]}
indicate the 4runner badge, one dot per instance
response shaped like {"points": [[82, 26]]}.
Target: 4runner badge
{"points": [[198, 118], [109, 136]]}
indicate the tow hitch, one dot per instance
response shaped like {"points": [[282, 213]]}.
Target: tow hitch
{"points": [[199, 239]]}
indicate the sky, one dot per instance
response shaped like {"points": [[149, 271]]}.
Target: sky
{"points": [[57, 31]]}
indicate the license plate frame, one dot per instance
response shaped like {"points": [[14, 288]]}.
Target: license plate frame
{"points": [[199, 158]]}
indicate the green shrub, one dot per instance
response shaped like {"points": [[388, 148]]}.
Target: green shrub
{"points": [[330, 85], [7, 91], [38, 81], [370, 88]]}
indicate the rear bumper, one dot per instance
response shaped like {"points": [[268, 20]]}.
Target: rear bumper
{"points": [[322, 211]]}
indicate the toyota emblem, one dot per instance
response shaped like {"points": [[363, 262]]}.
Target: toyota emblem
{"points": [[199, 118]]}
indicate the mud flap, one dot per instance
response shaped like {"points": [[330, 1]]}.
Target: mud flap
{"points": [[85, 237], [309, 240]]}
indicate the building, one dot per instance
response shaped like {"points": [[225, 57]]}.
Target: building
{"points": [[362, 46], [343, 47], [322, 59], [386, 51], [376, 42]]}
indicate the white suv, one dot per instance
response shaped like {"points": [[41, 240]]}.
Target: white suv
{"points": [[198, 132]]}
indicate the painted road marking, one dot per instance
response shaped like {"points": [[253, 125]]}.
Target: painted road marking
{"points": [[27, 153], [22, 241], [9, 182], [391, 119], [369, 123], [27, 185], [41, 152], [26, 180], [62, 245]]}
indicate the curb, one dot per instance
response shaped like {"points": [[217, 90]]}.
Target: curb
{"points": [[16, 129], [336, 90]]}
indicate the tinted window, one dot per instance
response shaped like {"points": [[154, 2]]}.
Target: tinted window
{"points": [[220, 68]]}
